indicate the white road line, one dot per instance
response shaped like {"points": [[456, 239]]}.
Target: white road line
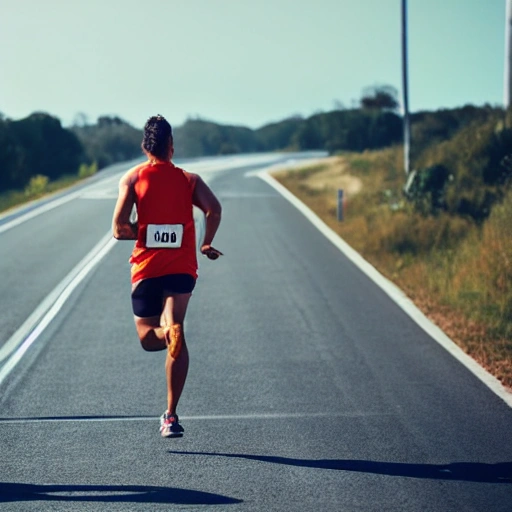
{"points": [[52, 204], [29, 324], [397, 295], [214, 417], [31, 329], [38, 211]]}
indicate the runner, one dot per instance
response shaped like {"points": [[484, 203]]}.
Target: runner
{"points": [[164, 262]]}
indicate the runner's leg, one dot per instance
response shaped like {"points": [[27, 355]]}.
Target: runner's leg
{"points": [[176, 366], [150, 332]]}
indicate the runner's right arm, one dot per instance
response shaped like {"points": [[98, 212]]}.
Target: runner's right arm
{"points": [[122, 228]]}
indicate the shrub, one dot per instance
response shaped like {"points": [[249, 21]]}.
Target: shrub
{"points": [[87, 170], [468, 173], [37, 185], [426, 188]]}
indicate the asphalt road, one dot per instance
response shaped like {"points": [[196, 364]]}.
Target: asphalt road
{"points": [[309, 389]]}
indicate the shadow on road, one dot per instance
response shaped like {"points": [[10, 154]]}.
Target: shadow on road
{"points": [[465, 471], [10, 492]]}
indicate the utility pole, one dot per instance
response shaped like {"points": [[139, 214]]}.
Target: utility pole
{"points": [[407, 127], [507, 89]]}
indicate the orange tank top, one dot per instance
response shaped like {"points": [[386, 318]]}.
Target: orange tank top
{"points": [[163, 197]]}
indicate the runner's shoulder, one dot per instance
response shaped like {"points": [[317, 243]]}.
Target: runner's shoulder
{"points": [[130, 176], [191, 177]]}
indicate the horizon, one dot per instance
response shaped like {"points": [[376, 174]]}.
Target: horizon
{"points": [[202, 119]]}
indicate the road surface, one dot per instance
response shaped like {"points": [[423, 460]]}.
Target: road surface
{"points": [[309, 389]]}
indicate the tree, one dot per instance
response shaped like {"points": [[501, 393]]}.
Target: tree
{"points": [[110, 140], [36, 145], [80, 119], [380, 97]]}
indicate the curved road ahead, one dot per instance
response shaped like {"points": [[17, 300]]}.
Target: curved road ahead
{"points": [[309, 389]]}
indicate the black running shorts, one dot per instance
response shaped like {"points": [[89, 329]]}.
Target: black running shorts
{"points": [[148, 296]]}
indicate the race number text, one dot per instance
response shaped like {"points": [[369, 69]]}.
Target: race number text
{"points": [[164, 236]]}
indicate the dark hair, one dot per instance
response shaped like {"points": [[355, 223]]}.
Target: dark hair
{"points": [[155, 140]]}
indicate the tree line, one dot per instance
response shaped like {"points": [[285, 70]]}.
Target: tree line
{"points": [[460, 156], [344, 130], [39, 146]]}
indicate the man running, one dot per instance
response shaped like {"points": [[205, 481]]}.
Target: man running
{"points": [[164, 262]]}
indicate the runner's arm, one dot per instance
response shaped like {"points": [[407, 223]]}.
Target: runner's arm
{"points": [[122, 228], [205, 200]]}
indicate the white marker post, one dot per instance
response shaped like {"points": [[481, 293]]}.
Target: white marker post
{"points": [[339, 207], [405, 85]]}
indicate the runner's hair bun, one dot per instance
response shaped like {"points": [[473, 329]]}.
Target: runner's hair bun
{"points": [[155, 140]]}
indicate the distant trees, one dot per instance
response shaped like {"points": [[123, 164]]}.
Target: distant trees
{"points": [[36, 145], [349, 130], [279, 135], [200, 137], [108, 141], [340, 130], [39, 147]]}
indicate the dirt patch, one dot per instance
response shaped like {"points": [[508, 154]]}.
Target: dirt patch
{"points": [[331, 175]]}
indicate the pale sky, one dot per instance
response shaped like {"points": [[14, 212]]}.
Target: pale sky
{"points": [[243, 62]]}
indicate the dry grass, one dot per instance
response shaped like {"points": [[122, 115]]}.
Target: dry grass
{"points": [[459, 275]]}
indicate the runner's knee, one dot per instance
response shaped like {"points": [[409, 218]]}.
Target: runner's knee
{"points": [[175, 339], [151, 342]]}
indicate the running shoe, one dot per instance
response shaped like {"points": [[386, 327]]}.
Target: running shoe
{"points": [[170, 426]]}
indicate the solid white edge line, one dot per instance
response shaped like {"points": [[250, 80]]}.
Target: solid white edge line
{"points": [[397, 295], [54, 309], [38, 211]]}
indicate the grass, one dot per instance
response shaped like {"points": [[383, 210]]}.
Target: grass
{"points": [[40, 186], [459, 274]]}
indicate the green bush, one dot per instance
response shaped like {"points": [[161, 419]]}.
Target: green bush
{"points": [[87, 170], [426, 189], [37, 185], [468, 173]]}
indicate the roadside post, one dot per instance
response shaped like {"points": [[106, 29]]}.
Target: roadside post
{"points": [[339, 207]]}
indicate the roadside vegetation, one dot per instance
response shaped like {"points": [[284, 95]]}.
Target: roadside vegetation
{"points": [[40, 186], [449, 246]]}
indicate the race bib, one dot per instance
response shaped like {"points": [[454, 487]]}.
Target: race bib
{"points": [[164, 236]]}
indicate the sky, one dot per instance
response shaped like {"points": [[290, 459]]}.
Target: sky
{"points": [[242, 62]]}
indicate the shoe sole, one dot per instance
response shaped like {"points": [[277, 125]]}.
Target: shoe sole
{"points": [[172, 434]]}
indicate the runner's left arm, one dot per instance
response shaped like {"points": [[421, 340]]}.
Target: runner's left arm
{"points": [[206, 200], [122, 228]]}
